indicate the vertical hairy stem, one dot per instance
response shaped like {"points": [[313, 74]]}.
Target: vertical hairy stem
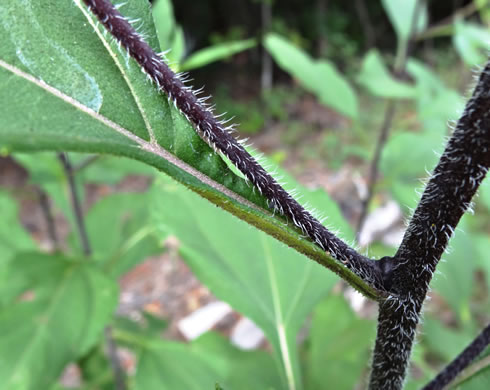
{"points": [[448, 194]]}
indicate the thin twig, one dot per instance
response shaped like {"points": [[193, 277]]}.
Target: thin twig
{"points": [[444, 27], [117, 369], [476, 367], [463, 360], [266, 75], [373, 169], [321, 13], [384, 131], [48, 217], [86, 162], [75, 202], [367, 26]]}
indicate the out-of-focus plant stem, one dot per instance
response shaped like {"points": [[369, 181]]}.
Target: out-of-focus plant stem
{"points": [[75, 202], [399, 68], [49, 218], [119, 377]]}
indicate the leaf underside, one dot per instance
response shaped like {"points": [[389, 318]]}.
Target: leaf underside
{"points": [[87, 95]]}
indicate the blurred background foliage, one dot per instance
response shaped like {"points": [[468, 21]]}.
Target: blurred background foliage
{"points": [[313, 83]]}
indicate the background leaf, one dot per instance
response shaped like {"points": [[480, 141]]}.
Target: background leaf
{"points": [[454, 280], [472, 42], [206, 361], [119, 232], [215, 53], [317, 76], [339, 346], [170, 34], [117, 91], [401, 13], [258, 276], [13, 239], [13, 236], [375, 77], [38, 339]]}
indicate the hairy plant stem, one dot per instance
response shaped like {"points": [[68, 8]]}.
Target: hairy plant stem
{"points": [[216, 133], [463, 360], [87, 251], [456, 178]]}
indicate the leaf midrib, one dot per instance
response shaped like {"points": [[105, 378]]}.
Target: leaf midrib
{"points": [[119, 65], [146, 146]]}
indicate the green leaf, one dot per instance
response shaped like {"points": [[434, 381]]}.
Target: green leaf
{"points": [[339, 346], [71, 305], [401, 14], [445, 342], [166, 365], [96, 369], [436, 103], [88, 96], [472, 42], [46, 171], [170, 34], [375, 77], [317, 76], [258, 276], [402, 175], [108, 169], [216, 53], [484, 10], [119, 232], [13, 239]]}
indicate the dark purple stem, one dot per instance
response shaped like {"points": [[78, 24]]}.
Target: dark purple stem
{"points": [[463, 360], [216, 133], [455, 180]]}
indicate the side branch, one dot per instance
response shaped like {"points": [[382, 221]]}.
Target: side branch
{"points": [[463, 360], [216, 133], [455, 180]]}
